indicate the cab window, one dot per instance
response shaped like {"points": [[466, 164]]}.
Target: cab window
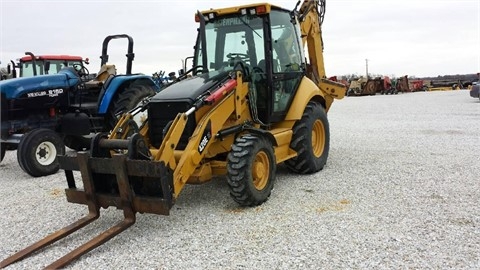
{"points": [[287, 59]]}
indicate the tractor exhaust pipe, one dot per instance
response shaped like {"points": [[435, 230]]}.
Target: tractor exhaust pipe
{"points": [[34, 63]]}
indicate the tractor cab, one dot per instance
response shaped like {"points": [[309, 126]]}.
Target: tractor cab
{"points": [[31, 65], [262, 41]]}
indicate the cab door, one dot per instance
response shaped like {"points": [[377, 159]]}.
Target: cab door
{"points": [[287, 60]]}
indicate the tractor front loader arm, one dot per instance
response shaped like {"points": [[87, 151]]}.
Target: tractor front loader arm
{"points": [[224, 103], [201, 139]]}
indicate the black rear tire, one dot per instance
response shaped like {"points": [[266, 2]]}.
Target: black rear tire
{"points": [[126, 100], [251, 169], [3, 150], [311, 140], [37, 152]]}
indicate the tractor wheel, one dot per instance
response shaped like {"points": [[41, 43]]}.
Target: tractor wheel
{"points": [[311, 140], [37, 152], [251, 170], [126, 100], [3, 150]]}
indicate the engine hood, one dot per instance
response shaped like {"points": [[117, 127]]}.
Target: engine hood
{"points": [[189, 89], [15, 88]]}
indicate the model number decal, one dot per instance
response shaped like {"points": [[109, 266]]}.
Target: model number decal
{"points": [[202, 144], [207, 135], [50, 93]]}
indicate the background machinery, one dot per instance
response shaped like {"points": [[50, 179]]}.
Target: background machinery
{"points": [[4, 74], [364, 87], [383, 85], [163, 80], [417, 85], [356, 86], [252, 101], [379, 84], [400, 84], [43, 113]]}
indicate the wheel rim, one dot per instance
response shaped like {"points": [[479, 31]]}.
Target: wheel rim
{"points": [[46, 153], [318, 138], [261, 170]]}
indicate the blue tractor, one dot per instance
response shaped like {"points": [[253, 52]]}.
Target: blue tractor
{"points": [[41, 115]]}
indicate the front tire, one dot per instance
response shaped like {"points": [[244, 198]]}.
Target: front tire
{"points": [[37, 152], [311, 140], [251, 169]]}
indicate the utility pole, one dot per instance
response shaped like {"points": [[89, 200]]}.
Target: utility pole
{"points": [[366, 67]]}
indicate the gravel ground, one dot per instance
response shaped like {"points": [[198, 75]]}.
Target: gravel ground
{"points": [[400, 190]]}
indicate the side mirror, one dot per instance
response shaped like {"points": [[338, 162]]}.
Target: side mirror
{"points": [[13, 69]]}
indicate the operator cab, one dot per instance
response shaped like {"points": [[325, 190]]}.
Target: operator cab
{"points": [[263, 42], [47, 64]]}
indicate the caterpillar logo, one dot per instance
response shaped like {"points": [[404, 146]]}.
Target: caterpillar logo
{"points": [[207, 135], [232, 21]]}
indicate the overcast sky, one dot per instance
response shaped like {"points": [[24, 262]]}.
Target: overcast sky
{"points": [[398, 37]]}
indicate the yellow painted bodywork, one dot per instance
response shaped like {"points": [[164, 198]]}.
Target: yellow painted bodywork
{"points": [[196, 166], [237, 9], [312, 39]]}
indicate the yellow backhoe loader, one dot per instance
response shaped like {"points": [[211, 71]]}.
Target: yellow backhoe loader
{"points": [[250, 102]]}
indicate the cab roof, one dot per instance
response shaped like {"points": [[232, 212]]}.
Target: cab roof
{"points": [[237, 9], [52, 57]]}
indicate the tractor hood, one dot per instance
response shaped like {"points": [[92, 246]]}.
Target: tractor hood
{"points": [[188, 90], [16, 88]]}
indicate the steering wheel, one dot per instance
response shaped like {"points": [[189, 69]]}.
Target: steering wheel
{"points": [[238, 56], [240, 59], [81, 70]]}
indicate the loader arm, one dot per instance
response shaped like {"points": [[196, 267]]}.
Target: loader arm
{"points": [[225, 105], [201, 139]]}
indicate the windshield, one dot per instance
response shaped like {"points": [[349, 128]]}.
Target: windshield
{"points": [[26, 68], [231, 40]]}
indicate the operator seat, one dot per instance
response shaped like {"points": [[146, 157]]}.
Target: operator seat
{"points": [[105, 72], [259, 81]]}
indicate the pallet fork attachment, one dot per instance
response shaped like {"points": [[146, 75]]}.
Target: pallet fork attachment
{"points": [[124, 200]]}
